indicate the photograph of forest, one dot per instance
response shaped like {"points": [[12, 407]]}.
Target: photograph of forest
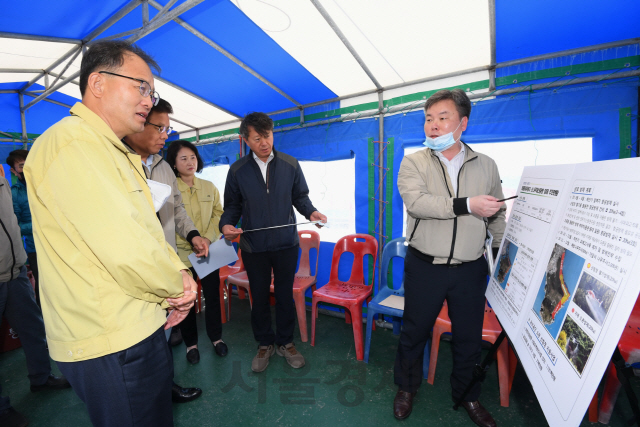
{"points": [[593, 297], [575, 344]]}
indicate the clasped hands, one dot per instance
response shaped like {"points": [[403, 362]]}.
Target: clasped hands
{"points": [[179, 307]]}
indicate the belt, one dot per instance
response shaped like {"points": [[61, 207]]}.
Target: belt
{"points": [[428, 258]]}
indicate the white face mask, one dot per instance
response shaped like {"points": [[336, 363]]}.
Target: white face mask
{"points": [[159, 193], [442, 142]]}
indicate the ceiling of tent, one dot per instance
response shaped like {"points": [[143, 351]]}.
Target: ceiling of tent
{"points": [[223, 58]]}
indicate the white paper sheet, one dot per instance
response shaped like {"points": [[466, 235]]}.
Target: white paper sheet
{"points": [[394, 301], [221, 253]]}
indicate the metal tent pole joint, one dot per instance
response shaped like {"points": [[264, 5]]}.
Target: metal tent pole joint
{"points": [[345, 41]]}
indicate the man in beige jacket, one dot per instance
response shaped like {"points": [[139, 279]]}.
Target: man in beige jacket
{"points": [[173, 217], [451, 194]]}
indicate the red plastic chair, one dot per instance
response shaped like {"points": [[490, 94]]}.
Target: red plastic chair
{"points": [[490, 331], [225, 272], [628, 345], [198, 303], [241, 282], [304, 280], [352, 293]]}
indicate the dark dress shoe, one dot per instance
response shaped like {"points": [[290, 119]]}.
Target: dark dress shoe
{"points": [[52, 383], [479, 414], [12, 418], [193, 356], [183, 395], [176, 337], [221, 349], [403, 404]]}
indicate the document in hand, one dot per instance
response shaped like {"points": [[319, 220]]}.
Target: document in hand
{"points": [[221, 253]]}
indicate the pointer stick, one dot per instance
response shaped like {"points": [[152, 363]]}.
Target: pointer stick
{"points": [[285, 225]]}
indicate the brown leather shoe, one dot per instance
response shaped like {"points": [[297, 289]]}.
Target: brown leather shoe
{"points": [[402, 404], [479, 414]]}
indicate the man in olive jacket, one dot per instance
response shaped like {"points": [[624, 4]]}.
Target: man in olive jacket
{"points": [[451, 194], [108, 274]]}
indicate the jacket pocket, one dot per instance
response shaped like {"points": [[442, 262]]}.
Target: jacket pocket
{"points": [[132, 186]]}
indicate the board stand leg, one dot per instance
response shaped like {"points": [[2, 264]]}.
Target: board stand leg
{"points": [[480, 371]]}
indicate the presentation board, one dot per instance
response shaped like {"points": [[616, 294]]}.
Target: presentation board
{"points": [[566, 277]]}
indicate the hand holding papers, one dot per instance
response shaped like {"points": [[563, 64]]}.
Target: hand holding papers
{"points": [[221, 253]]}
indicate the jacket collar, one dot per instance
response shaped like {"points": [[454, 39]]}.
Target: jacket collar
{"points": [[157, 158], [468, 153], [20, 184], [182, 186], [273, 150], [82, 111]]}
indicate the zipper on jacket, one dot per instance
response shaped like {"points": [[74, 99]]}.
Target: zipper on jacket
{"points": [[267, 179], [13, 254], [455, 220]]}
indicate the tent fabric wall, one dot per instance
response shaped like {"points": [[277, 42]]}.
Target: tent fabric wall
{"points": [[588, 110], [607, 112], [569, 66]]}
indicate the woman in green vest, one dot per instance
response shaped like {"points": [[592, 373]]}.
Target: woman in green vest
{"points": [[203, 205]]}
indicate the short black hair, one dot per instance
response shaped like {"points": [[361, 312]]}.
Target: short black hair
{"points": [[108, 55], [172, 154], [260, 122], [162, 107], [458, 96], [15, 156]]}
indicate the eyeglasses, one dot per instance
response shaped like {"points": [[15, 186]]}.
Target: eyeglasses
{"points": [[161, 129], [145, 87]]}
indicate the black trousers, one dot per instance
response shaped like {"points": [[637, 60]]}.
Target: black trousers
{"points": [[212, 316], [259, 266], [426, 287], [18, 305], [129, 388]]}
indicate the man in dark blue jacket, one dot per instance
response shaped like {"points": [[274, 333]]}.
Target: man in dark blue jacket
{"points": [[262, 188]]}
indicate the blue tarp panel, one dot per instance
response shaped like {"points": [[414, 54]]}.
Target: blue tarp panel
{"points": [[220, 154], [559, 25], [38, 118], [22, 17]]}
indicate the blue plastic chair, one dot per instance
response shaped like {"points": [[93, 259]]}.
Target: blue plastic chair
{"points": [[395, 248]]}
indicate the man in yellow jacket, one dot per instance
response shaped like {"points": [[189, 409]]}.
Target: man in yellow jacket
{"points": [[108, 272]]}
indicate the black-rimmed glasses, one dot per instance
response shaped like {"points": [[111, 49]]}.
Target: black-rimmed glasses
{"points": [[161, 129], [145, 87]]}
